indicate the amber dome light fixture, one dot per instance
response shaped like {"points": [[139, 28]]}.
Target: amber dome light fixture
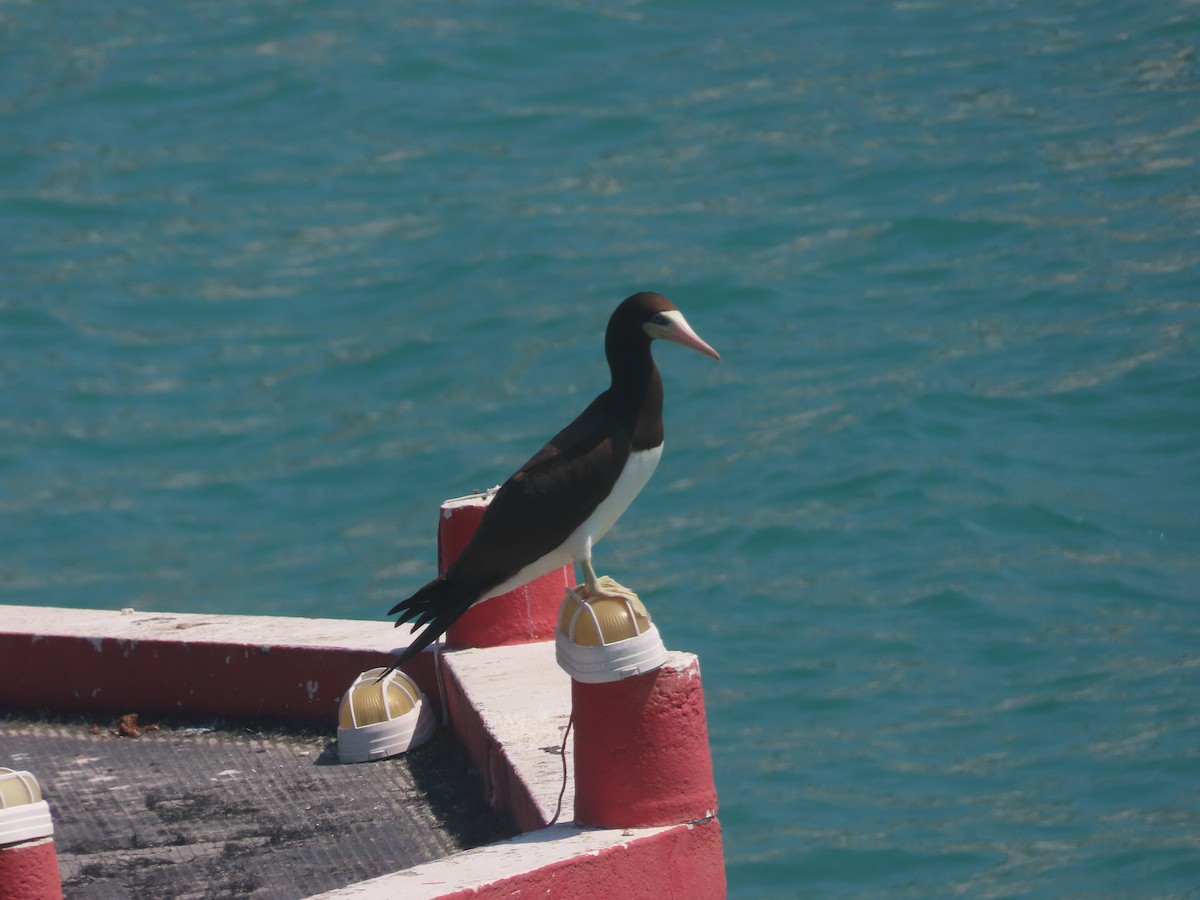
{"points": [[607, 636], [380, 717]]}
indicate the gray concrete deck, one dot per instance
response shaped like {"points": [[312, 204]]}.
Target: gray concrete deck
{"points": [[219, 809]]}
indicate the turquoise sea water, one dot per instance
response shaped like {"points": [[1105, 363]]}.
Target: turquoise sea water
{"points": [[280, 277]]}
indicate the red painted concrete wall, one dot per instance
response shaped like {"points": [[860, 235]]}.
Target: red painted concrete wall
{"points": [[685, 862], [641, 749], [81, 674], [528, 613], [29, 871]]}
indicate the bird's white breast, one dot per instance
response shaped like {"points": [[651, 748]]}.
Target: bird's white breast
{"points": [[638, 469]]}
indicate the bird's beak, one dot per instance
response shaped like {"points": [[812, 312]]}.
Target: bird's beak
{"points": [[680, 332]]}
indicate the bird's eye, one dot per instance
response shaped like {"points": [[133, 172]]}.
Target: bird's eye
{"points": [[661, 319]]}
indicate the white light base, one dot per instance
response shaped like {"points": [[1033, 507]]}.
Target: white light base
{"points": [[383, 739], [25, 822], [611, 662]]}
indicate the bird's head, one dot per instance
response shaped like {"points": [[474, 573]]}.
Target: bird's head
{"points": [[660, 319]]}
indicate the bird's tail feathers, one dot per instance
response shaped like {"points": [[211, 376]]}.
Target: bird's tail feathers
{"points": [[436, 606], [422, 606]]}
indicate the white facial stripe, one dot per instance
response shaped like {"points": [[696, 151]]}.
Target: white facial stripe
{"points": [[675, 321]]}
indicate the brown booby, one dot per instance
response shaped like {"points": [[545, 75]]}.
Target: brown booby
{"points": [[567, 496]]}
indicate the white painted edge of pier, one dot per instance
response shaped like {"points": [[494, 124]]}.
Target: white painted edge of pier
{"points": [[473, 869], [524, 699], [267, 631]]}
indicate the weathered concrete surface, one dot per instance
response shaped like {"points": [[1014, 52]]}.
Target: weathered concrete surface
{"points": [[217, 810]]}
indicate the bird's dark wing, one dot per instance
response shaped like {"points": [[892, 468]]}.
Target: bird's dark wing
{"points": [[547, 498], [530, 515]]}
